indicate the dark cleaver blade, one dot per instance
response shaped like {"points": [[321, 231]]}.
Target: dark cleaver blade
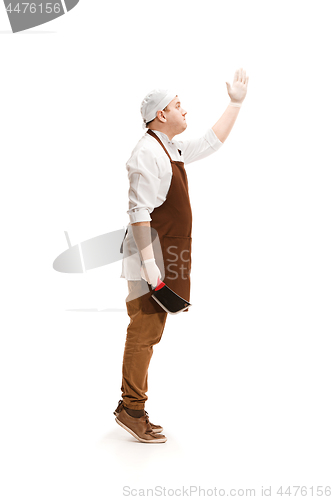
{"points": [[167, 299]]}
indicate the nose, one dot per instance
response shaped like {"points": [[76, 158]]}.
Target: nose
{"points": [[184, 112]]}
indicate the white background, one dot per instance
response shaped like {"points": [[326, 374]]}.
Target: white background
{"points": [[242, 383]]}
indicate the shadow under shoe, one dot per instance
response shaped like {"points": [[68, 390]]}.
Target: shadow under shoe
{"points": [[120, 407], [140, 428]]}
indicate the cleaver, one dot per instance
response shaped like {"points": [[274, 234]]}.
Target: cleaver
{"points": [[167, 299]]}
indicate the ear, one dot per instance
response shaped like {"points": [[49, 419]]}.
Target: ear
{"points": [[161, 116]]}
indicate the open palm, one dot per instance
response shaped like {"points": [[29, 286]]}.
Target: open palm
{"points": [[238, 90]]}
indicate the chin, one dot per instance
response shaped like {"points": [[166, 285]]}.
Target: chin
{"points": [[182, 128]]}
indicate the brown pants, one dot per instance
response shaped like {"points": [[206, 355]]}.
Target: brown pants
{"points": [[143, 331]]}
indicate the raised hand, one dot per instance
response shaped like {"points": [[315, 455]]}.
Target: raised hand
{"points": [[238, 90]]}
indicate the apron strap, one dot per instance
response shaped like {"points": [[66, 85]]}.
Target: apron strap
{"points": [[121, 250], [150, 132]]}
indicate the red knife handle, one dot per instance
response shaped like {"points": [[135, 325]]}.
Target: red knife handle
{"points": [[160, 284]]}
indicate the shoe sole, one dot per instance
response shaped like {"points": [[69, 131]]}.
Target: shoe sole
{"points": [[157, 440], [159, 430]]}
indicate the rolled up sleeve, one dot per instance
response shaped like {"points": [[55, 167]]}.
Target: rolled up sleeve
{"points": [[143, 174], [196, 149]]}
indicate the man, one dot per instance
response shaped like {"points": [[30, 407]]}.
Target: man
{"points": [[159, 205]]}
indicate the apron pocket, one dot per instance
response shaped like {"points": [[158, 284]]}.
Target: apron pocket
{"points": [[177, 257]]}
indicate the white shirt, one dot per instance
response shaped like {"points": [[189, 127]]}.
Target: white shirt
{"points": [[150, 172]]}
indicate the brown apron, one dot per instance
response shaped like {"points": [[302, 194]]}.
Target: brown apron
{"points": [[173, 222]]}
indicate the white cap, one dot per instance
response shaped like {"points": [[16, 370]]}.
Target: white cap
{"points": [[155, 101]]}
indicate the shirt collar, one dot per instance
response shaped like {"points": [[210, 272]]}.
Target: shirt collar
{"points": [[162, 136]]}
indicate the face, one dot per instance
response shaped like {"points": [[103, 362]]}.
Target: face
{"points": [[175, 116]]}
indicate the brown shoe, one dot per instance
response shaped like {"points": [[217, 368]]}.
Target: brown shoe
{"points": [[156, 428], [140, 428]]}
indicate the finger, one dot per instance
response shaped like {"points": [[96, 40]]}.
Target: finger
{"points": [[247, 80], [236, 76], [240, 74], [244, 77]]}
